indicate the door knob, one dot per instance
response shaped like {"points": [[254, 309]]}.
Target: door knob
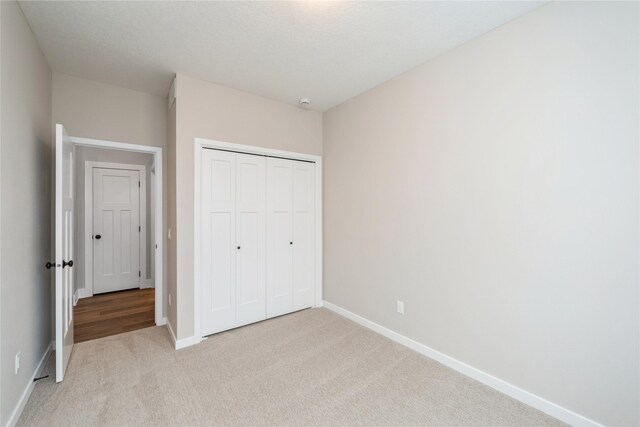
{"points": [[64, 263], [291, 243], [238, 247], [50, 265], [98, 237]]}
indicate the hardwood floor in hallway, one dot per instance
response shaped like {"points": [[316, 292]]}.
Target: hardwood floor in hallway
{"points": [[113, 313]]}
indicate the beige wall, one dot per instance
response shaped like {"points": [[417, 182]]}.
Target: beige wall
{"points": [[25, 225], [211, 111], [171, 216], [96, 110], [495, 191]]}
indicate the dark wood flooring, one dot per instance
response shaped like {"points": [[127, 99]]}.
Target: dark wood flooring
{"points": [[113, 313]]}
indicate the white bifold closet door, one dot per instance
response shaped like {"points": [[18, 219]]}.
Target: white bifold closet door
{"points": [[290, 236], [233, 240]]}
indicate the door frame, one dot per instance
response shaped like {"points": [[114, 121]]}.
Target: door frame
{"points": [[201, 143], [160, 313], [88, 222]]}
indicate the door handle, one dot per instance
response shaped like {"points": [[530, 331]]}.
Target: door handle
{"points": [[50, 265], [64, 263], [98, 237]]}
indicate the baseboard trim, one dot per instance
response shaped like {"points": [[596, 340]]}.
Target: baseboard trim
{"points": [[186, 342], [162, 322], [24, 398], [502, 386], [84, 293], [183, 343], [75, 298], [146, 284]]}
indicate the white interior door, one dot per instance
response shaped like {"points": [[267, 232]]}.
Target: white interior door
{"points": [[116, 230], [279, 236], [250, 239], [218, 250], [64, 251], [303, 247]]}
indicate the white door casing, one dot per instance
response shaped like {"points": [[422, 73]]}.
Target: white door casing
{"points": [[158, 232], [116, 230], [64, 251]]}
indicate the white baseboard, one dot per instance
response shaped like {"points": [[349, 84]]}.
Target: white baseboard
{"points": [[186, 342], [24, 398], [147, 283], [75, 298], [183, 343], [84, 293], [162, 321], [502, 386]]}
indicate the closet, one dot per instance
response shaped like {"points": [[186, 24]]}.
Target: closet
{"points": [[258, 238]]}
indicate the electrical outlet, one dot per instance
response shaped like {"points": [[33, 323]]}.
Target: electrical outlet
{"points": [[169, 300], [400, 307], [17, 363]]}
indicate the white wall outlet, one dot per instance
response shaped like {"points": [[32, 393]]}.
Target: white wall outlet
{"points": [[17, 363], [400, 307]]}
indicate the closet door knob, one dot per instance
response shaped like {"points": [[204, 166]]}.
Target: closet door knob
{"points": [[238, 247], [291, 243], [98, 237], [64, 263]]}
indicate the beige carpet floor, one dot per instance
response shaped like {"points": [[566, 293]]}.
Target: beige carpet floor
{"points": [[308, 368]]}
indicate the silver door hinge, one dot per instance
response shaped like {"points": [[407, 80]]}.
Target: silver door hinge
{"points": [[139, 273], [139, 229], [138, 183]]}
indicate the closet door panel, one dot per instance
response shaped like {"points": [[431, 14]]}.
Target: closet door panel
{"points": [[281, 255], [218, 218], [279, 236], [221, 261], [251, 232], [303, 282]]}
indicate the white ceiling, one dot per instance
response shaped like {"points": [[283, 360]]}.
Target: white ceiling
{"points": [[325, 51]]}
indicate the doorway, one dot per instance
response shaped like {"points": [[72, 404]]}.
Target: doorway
{"points": [[114, 281], [66, 206], [117, 216]]}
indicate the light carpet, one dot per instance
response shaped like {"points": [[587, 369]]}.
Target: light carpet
{"points": [[312, 367]]}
